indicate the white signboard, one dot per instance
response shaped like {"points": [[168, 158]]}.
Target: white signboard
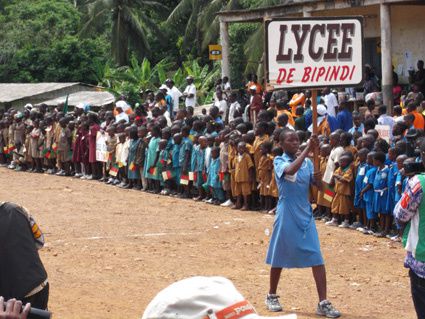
{"points": [[314, 52], [101, 150]]}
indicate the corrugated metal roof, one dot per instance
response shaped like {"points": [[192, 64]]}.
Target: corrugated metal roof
{"points": [[90, 97], [10, 92]]}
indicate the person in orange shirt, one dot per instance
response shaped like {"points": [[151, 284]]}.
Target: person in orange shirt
{"points": [[253, 82], [419, 121], [297, 99], [282, 108]]}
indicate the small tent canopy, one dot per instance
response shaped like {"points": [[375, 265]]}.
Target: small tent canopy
{"points": [[94, 99]]}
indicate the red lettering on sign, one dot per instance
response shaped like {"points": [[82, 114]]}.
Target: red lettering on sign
{"points": [[306, 76]]}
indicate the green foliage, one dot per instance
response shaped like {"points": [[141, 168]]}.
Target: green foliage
{"points": [[240, 34], [39, 43], [130, 80], [131, 24], [84, 40]]}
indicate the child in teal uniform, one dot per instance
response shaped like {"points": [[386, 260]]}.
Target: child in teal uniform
{"points": [[164, 159], [133, 172], [380, 195], [166, 135], [367, 195], [184, 158], [151, 158], [199, 167], [195, 150], [175, 155], [213, 180]]}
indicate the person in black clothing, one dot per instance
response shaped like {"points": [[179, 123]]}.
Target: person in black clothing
{"points": [[22, 274], [418, 77]]}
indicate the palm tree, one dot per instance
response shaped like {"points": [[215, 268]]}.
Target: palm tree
{"points": [[200, 18], [130, 24]]}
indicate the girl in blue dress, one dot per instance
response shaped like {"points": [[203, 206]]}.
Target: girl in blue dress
{"points": [[366, 195], [380, 195], [294, 242], [359, 203]]}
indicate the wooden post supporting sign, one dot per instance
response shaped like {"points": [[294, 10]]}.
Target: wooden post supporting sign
{"points": [[315, 130]]}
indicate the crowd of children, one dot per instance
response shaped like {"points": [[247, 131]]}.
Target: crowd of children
{"points": [[196, 157], [221, 160]]}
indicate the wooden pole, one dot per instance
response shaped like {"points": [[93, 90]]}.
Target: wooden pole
{"points": [[314, 110], [224, 39]]}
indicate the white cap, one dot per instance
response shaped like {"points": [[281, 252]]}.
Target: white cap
{"points": [[163, 87], [321, 110], [28, 106], [202, 298]]}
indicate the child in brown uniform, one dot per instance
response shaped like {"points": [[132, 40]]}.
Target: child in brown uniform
{"points": [[343, 178], [48, 142], [346, 142], [323, 205], [264, 173], [244, 175], [232, 153], [64, 147], [36, 140], [260, 137]]}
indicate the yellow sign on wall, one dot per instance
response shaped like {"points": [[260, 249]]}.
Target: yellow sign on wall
{"points": [[215, 51]]}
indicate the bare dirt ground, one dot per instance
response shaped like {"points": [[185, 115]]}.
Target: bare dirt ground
{"points": [[109, 251]]}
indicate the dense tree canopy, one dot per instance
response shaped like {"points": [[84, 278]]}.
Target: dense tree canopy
{"points": [[77, 40], [39, 42]]}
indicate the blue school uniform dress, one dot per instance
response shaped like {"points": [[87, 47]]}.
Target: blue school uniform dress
{"points": [[294, 242], [135, 173], [175, 155], [199, 165], [368, 196], [392, 176], [195, 149], [161, 165], [358, 185], [213, 180], [186, 146], [150, 158], [380, 190]]}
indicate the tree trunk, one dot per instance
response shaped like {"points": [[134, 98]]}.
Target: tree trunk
{"points": [[120, 40]]}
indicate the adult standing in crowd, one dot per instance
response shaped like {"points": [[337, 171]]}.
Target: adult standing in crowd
{"points": [[221, 103], [410, 214], [295, 242], [235, 107], [190, 92], [331, 101], [418, 77], [175, 95], [344, 118], [22, 274]]}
